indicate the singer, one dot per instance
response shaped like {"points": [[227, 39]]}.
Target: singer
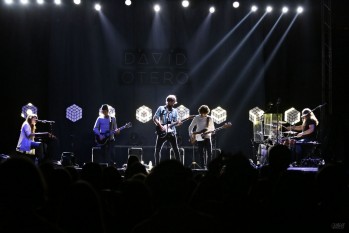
{"points": [[26, 142], [308, 133], [104, 129], [166, 119]]}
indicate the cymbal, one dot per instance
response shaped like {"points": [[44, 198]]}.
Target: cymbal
{"points": [[290, 132], [280, 122], [272, 125]]}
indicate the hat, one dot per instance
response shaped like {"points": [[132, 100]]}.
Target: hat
{"points": [[305, 112]]}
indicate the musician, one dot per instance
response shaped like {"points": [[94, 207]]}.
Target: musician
{"points": [[105, 129], [308, 133], [203, 123], [163, 117], [26, 142]]}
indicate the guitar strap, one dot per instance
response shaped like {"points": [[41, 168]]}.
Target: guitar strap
{"points": [[110, 127]]}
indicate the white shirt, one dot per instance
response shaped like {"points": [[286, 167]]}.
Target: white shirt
{"points": [[201, 123]]}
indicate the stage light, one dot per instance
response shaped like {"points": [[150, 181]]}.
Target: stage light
{"points": [[73, 113], [77, 2], [8, 2], [183, 112], [24, 2], [28, 109], [284, 9], [144, 114], [128, 2], [212, 9], [292, 116], [40, 2], [58, 2], [236, 4], [185, 3], [254, 8], [269, 9], [219, 115], [157, 8], [300, 9], [98, 7]]}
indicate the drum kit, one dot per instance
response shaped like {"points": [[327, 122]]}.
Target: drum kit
{"points": [[274, 134]]}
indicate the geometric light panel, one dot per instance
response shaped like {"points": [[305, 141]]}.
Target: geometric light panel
{"points": [[28, 109], [256, 114], [183, 112], [111, 111], [219, 115], [292, 116], [74, 113], [144, 114]]}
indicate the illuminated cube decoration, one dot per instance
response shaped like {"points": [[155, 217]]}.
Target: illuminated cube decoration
{"points": [[28, 109], [111, 111], [183, 112], [144, 114], [292, 116], [256, 114], [270, 124], [219, 115], [256, 117], [74, 113]]}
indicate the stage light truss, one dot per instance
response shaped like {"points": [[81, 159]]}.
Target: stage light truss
{"points": [[128, 3], [292, 116], [183, 112], [256, 114], [29, 109], [73, 113], [144, 114], [219, 115]]}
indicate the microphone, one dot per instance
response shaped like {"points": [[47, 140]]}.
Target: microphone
{"points": [[45, 121], [320, 106]]}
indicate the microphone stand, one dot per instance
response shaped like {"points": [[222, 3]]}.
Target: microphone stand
{"points": [[277, 121], [320, 106]]}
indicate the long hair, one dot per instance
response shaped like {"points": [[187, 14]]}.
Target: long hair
{"points": [[307, 113], [29, 120], [204, 109]]}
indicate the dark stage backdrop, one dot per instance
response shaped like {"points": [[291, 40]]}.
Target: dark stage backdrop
{"points": [[127, 57]]}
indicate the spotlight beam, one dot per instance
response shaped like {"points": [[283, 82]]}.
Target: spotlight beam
{"points": [[260, 75], [216, 47], [253, 59], [231, 56]]}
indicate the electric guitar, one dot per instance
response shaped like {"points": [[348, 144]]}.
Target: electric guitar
{"points": [[199, 136], [106, 136], [168, 127]]}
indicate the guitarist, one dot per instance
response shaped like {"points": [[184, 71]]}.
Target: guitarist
{"points": [[164, 116], [105, 129], [203, 122]]}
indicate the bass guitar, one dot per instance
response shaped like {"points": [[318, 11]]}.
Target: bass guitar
{"points": [[199, 136], [167, 128], [106, 136]]}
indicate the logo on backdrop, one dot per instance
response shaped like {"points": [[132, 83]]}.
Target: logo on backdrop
{"points": [[154, 67]]}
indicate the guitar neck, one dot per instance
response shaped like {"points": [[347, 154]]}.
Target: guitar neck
{"points": [[212, 131], [175, 123]]}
